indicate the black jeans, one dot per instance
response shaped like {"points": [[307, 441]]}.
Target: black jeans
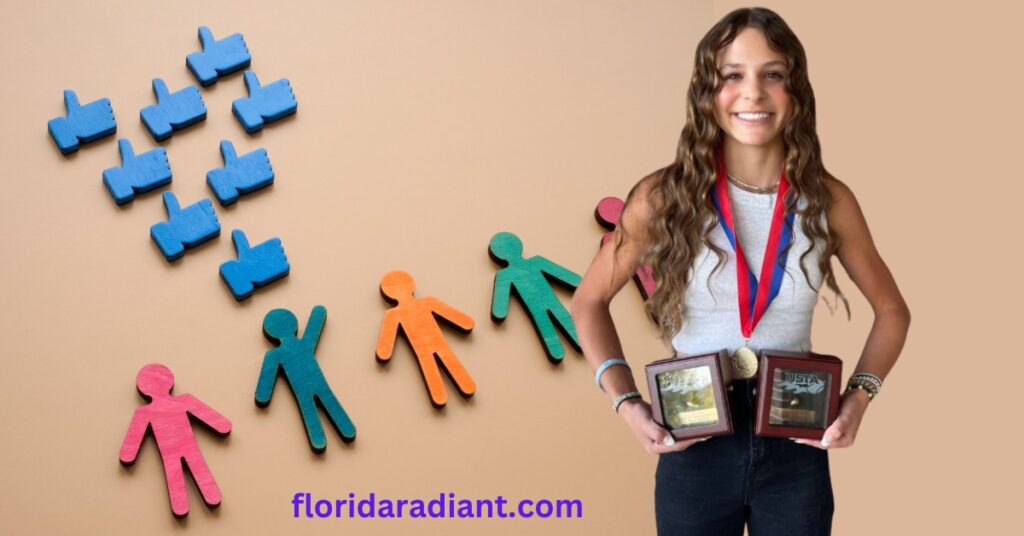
{"points": [[716, 486]]}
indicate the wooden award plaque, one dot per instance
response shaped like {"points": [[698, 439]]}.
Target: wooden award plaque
{"points": [[688, 395], [797, 394]]}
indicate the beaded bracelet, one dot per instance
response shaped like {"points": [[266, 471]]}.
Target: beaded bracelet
{"points": [[868, 387], [604, 366], [869, 382], [868, 377], [624, 397]]}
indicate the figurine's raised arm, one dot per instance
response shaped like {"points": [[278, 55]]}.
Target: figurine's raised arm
{"points": [[206, 414], [314, 327], [449, 313], [133, 439]]}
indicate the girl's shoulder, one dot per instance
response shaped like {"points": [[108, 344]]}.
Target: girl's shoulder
{"points": [[845, 213], [647, 193], [641, 204], [838, 189]]}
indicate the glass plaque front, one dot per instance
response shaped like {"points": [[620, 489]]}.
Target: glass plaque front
{"points": [[687, 397], [800, 398]]}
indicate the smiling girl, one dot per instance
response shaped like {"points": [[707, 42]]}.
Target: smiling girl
{"points": [[750, 130]]}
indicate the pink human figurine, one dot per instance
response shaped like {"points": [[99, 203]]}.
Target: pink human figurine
{"points": [[608, 213], [168, 416]]}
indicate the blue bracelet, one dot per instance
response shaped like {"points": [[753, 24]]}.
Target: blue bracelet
{"points": [[604, 366]]}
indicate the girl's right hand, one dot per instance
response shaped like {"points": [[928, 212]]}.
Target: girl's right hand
{"points": [[654, 438]]}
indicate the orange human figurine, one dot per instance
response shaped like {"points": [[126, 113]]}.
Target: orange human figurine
{"points": [[416, 317], [168, 417]]}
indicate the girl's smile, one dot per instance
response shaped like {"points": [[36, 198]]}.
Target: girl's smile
{"points": [[754, 118]]}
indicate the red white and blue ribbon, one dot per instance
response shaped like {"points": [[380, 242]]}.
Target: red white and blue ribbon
{"points": [[752, 305]]}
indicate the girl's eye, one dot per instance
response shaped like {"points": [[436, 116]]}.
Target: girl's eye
{"points": [[774, 76], [732, 76]]}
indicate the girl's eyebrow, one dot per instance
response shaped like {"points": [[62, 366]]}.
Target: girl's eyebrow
{"points": [[772, 63]]}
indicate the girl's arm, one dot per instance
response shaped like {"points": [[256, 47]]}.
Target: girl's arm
{"points": [[590, 312], [866, 269]]}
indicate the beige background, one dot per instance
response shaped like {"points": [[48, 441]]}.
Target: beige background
{"points": [[424, 128]]}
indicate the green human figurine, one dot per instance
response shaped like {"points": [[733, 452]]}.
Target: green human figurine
{"points": [[527, 278], [295, 357]]}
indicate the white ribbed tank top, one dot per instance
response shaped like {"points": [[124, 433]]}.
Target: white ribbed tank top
{"points": [[712, 316]]}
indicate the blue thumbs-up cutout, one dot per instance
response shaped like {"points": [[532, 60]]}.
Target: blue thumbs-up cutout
{"points": [[185, 227], [172, 111], [255, 267], [137, 173], [82, 124], [265, 104], [218, 58], [240, 174]]}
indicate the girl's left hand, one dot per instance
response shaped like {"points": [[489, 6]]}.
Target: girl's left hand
{"points": [[844, 430]]}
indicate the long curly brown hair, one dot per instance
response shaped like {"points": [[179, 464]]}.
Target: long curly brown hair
{"points": [[682, 214]]}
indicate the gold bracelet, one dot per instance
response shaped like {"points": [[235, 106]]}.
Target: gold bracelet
{"points": [[865, 388]]}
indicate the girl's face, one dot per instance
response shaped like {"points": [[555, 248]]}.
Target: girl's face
{"points": [[752, 107]]}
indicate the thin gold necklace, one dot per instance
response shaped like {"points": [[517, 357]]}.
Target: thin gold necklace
{"points": [[751, 188]]}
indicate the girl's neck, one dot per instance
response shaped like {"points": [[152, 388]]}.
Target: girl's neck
{"points": [[754, 165]]}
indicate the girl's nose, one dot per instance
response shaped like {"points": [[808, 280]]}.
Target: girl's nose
{"points": [[752, 90]]}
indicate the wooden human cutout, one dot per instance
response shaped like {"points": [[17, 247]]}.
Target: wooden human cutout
{"points": [[167, 416], [527, 278], [416, 318], [295, 358], [608, 214]]}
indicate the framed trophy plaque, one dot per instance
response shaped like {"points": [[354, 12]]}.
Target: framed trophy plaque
{"points": [[688, 395], [797, 394]]}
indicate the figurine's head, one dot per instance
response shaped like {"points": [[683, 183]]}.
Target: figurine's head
{"points": [[506, 246], [609, 211], [280, 324], [397, 285], [154, 380]]}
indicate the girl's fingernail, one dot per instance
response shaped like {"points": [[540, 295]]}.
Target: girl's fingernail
{"points": [[668, 441], [824, 442]]}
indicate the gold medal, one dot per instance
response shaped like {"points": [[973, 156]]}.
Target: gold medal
{"points": [[744, 363]]}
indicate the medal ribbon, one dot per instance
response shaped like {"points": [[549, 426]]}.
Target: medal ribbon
{"points": [[753, 306]]}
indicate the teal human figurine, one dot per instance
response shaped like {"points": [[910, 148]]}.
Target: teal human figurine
{"points": [[295, 357], [527, 278]]}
